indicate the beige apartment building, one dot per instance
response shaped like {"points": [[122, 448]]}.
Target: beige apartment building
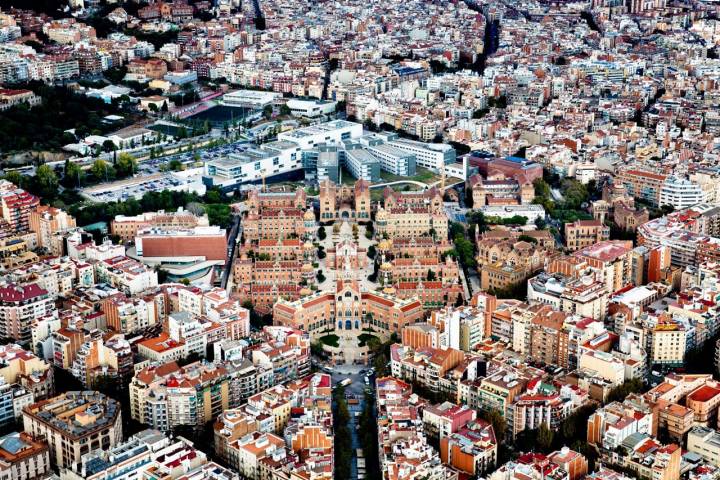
{"points": [[45, 221], [75, 423], [585, 233]]}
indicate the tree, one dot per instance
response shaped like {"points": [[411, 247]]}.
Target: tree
{"points": [[14, 177], [320, 276], [343, 439], [619, 393], [213, 196], [430, 277], [496, 419], [108, 146], [102, 171], [285, 110], [369, 231], [46, 181], [267, 112], [126, 165], [574, 193], [371, 251], [322, 235], [175, 165], [545, 438], [481, 112], [218, 214], [465, 251], [195, 208], [73, 175]]}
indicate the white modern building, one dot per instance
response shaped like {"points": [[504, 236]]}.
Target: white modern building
{"points": [[680, 193], [311, 108], [277, 158], [531, 212], [361, 164], [253, 165], [394, 160], [330, 133], [706, 443], [249, 98], [432, 156]]}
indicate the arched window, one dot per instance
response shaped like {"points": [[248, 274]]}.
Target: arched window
{"points": [[340, 325]]}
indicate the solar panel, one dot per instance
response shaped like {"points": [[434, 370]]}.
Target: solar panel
{"points": [[13, 444]]}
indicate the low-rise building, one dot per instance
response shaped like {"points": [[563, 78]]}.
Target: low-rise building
{"points": [[126, 274], [281, 432], [347, 309]]}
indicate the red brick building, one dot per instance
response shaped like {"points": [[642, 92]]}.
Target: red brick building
{"points": [[207, 242]]}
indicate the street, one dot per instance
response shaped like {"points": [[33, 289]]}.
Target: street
{"points": [[231, 246], [354, 391]]}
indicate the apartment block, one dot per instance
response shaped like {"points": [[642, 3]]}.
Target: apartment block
{"points": [[73, 424], [19, 305], [585, 233], [45, 222], [642, 184], [261, 439], [23, 457]]}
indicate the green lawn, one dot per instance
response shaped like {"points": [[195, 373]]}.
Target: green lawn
{"points": [[330, 340], [421, 175], [364, 338]]}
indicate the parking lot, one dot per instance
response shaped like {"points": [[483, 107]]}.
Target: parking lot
{"points": [[154, 165], [189, 180]]}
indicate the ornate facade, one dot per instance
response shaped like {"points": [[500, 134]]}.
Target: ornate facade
{"points": [[348, 309], [342, 202]]}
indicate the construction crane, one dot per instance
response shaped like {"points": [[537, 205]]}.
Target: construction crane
{"points": [[442, 177]]}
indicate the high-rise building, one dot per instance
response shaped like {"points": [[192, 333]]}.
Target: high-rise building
{"points": [[15, 207], [19, 306]]}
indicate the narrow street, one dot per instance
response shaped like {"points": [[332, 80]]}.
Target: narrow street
{"points": [[231, 246], [354, 391]]}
